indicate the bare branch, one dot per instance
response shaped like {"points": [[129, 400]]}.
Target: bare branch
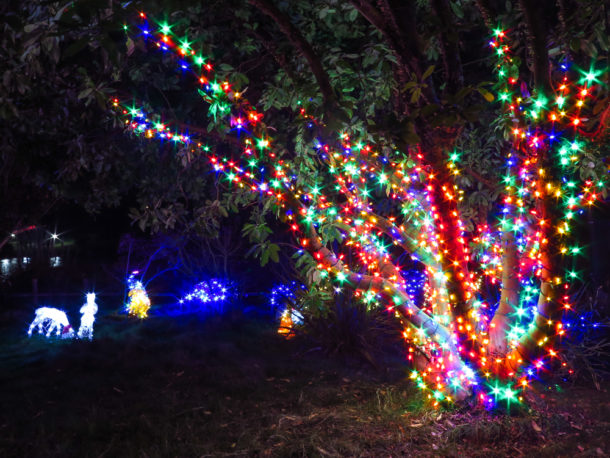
{"points": [[509, 297], [15, 232], [537, 33], [450, 46], [301, 44], [488, 184], [233, 141], [271, 48], [396, 22], [486, 13]]}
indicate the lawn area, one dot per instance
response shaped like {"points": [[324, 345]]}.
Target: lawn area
{"points": [[186, 387]]}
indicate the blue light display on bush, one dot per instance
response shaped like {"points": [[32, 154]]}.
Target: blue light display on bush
{"points": [[416, 282], [208, 295]]}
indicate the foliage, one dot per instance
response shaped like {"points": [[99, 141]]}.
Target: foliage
{"points": [[56, 59], [587, 349]]}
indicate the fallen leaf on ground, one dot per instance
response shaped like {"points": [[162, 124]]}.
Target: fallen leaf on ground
{"points": [[536, 427]]}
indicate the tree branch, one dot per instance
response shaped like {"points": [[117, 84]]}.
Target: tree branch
{"points": [[400, 17], [15, 232], [210, 134], [301, 44], [450, 46], [486, 13], [509, 297], [481, 178], [396, 22], [415, 316], [537, 32], [271, 48]]}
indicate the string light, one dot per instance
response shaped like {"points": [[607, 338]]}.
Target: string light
{"points": [[283, 299], [49, 320], [139, 302], [88, 311], [451, 323], [213, 291]]}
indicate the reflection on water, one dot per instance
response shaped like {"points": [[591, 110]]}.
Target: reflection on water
{"points": [[8, 266]]}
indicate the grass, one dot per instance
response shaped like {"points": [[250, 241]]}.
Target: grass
{"points": [[184, 387]]}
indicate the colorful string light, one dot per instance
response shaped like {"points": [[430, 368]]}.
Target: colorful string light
{"points": [[454, 326]]}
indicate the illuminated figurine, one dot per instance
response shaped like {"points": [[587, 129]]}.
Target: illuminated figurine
{"points": [[88, 311], [284, 296], [139, 302], [286, 325], [49, 320]]}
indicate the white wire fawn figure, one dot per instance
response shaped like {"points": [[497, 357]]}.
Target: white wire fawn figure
{"points": [[88, 311], [49, 320]]}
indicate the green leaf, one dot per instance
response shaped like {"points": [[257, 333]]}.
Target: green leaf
{"points": [[264, 258], [486, 94], [30, 28], [428, 72], [457, 9], [409, 85], [85, 93], [430, 109], [415, 95], [352, 15], [75, 47], [274, 252]]}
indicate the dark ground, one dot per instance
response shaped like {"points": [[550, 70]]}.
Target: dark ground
{"points": [[187, 388]]}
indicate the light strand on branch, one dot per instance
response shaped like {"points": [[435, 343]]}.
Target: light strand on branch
{"points": [[468, 346]]}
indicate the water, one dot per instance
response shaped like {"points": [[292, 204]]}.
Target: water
{"points": [[9, 266]]}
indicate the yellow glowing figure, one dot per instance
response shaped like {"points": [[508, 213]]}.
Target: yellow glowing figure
{"points": [[139, 303]]}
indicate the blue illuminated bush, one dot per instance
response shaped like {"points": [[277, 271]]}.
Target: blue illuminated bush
{"points": [[212, 296]]}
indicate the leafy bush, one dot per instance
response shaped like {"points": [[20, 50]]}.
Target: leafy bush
{"points": [[587, 346]]}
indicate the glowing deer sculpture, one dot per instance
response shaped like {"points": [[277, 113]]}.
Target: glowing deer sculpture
{"points": [[50, 320]]}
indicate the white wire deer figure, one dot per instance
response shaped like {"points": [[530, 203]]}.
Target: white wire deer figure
{"points": [[49, 320]]}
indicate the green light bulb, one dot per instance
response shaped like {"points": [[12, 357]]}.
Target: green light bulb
{"points": [[165, 29]]}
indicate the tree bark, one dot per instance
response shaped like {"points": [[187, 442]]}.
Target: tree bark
{"points": [[537, 32], [450, 46], [509, 297]]}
